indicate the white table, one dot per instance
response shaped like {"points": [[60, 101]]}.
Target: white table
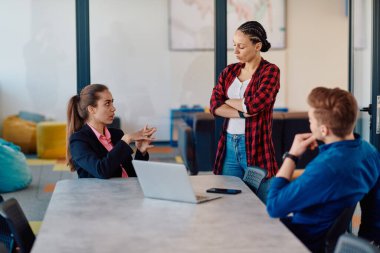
{"points": [[93, 215]]}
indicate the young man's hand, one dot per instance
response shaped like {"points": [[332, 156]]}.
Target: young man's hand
{"points": [[302, 142]]}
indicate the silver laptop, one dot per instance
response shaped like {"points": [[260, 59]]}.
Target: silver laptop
{"points": [[168, 181]]}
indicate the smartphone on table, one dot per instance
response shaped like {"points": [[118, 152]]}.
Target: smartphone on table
{"points": [[223, 190]]}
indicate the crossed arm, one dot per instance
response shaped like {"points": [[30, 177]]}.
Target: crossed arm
{"points": [[256, 102], [231, 108]]}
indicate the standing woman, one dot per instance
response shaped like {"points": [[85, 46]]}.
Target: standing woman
{"points": [[95, 151], [244, 96]]}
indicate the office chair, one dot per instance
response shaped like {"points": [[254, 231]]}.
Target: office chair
{"points": [[262, 192], [351, 244], [3, 249], [255, 178], [6, 237], [339, 227], [23, 235]]}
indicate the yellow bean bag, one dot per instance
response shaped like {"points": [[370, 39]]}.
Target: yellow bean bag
{"points": [[51, 140], [20, 132]]}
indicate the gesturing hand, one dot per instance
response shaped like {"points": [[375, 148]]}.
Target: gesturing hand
{"points": [[144, 134], [144, 144]]}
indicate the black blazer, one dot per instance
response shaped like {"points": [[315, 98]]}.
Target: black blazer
{"points": [[91, 159]]}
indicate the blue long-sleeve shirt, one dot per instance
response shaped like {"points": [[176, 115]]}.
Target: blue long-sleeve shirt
{"points": [[338, 177]]}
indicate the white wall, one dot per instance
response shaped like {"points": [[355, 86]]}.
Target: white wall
{"points": [[37, 63], [317, 52], [129, 53]]}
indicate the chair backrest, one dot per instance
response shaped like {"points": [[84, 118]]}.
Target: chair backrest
{"points": [[186, 146], [6, 237], [253, 177], [262, 192], [11, 211], [339, 227], [204, 140], [3, 249], [351, 244]]}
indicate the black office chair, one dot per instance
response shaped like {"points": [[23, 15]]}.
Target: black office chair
{"points": [[186, 147], [262, 192], [6, 237], [351, 244], [255, 178], [340, 226], [23, 235], [3, 249], [115, 123]]}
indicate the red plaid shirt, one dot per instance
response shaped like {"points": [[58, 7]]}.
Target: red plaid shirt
{"points": [[259, 99]]}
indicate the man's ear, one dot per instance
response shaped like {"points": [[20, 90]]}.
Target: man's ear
{"points": [[324, 130]]}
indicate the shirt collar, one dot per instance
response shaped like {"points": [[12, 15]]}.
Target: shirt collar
{"points": [[99, 135], [338, 144]]}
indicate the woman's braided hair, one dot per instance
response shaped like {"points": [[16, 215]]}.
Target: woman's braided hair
{"points": [[256, 33]]}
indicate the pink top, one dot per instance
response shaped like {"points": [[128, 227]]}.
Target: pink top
{"points": [[105, 140]]}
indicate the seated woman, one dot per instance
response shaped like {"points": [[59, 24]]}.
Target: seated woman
{"points": [[94, 150]]}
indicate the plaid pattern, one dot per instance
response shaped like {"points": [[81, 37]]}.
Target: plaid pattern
{"points": [[260, 96]]}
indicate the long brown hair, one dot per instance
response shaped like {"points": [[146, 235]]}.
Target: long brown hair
{"points": [[77, 113]]}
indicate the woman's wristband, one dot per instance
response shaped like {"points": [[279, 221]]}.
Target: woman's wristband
{"points": [[241, 114]]}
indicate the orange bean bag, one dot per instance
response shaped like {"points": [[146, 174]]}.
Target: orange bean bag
{"points": [[20, 132]]}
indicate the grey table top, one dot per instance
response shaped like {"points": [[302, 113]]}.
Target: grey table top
{"points": [[92, 215]]}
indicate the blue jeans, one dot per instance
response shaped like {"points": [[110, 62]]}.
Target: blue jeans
{"points": [[235, 161]]}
